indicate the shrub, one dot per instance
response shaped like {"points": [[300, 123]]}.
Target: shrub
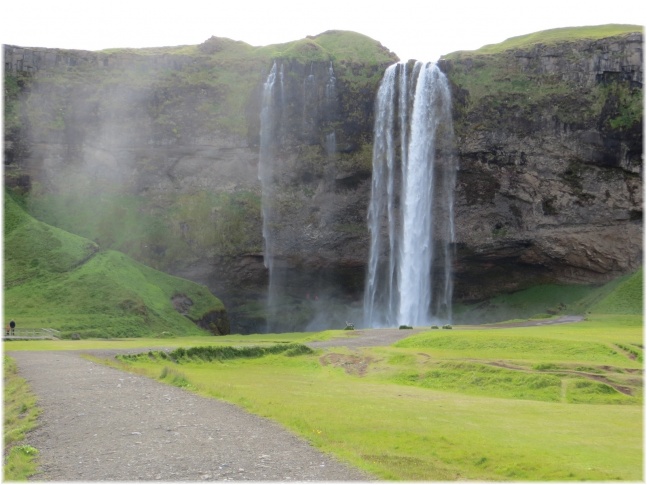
{"points": [[298, 349], [211, 353], [405, 327]]}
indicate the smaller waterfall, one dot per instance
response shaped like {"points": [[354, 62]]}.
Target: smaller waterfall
{"points": [[271, 109], [331, 108], [299, 106], [331, 89], [412, 200], [309, 104], [331, 144], [266, 160]]}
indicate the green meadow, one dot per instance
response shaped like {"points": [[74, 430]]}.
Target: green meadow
{"points": [[555, 402]]}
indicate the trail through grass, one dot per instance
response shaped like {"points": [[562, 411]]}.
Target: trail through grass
{"points": [[477, 404]]}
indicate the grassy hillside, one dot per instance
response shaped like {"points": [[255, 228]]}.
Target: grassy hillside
{"points": [[220, 223], [57, 280], [623, 296]]}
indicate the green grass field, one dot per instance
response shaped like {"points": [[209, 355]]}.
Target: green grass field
{"points": [[558, 402], [538, 403]]}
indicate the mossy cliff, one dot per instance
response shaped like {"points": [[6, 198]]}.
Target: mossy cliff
{"points": [[550, 139], [154, 152]]}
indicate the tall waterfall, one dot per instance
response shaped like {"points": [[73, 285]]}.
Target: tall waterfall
{"points": [[411, 212], [270, 114]]}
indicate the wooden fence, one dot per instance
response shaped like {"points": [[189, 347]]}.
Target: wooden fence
{"points": [[32, 334]]}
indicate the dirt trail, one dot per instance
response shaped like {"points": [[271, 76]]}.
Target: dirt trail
{"points": [[99, 423]]}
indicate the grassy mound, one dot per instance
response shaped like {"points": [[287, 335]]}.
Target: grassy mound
{"points": [[625, 297], [220, 353], [622, 296], [55, 279]]}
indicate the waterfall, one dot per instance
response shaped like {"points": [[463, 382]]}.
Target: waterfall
{"points": [[331, 90], [298, 108], [266, 161], [331, 108], [309, 104], [411, 211], [270, 114]]}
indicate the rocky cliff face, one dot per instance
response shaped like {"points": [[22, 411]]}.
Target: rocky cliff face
{"points": [[550, 180], [155, 153]]}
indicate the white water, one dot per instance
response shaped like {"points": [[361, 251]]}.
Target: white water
{"points": [[331, 106], [411, 209], [270, 113], [331, 89], [266, 161]]}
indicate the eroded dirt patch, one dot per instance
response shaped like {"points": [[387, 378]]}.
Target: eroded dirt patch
{"points": [[353, 364]]}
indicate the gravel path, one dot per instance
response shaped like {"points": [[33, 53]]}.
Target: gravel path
{"points": [[99, 423], [370, 337]]}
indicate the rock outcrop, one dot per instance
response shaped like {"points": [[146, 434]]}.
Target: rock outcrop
{"points": [[155, 153], [550, 180]]}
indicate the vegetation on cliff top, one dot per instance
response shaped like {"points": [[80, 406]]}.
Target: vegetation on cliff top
{"points": [[55, 279], [551, 36], [227, 73], [332, 45]]}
